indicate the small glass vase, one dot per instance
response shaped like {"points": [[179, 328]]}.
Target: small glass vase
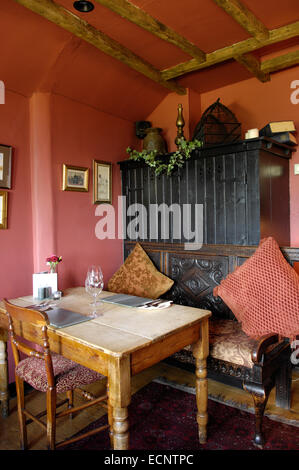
{"points": [[53, 269]]}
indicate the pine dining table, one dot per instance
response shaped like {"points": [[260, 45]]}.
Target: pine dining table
{"points": [[119, 343]]}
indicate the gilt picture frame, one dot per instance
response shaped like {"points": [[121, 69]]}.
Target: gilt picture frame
{"points": [[102, 182], [75, 178], [5, 166], [3, 209]]}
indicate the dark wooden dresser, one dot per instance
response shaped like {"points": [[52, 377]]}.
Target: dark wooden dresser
{"points": [[244, 189]]}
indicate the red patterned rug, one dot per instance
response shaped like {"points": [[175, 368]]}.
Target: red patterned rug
{"points": [[164, 418]]}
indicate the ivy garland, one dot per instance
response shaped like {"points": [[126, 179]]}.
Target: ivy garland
{"points": [[176, 159]]}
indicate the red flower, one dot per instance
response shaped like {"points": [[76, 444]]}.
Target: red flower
{"points": [[54, 259]]}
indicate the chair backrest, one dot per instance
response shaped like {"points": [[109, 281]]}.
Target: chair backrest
{"points": [[25, 315]]}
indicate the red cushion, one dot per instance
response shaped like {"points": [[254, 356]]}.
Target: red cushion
{"points": [[263, 293], [68, 374]]}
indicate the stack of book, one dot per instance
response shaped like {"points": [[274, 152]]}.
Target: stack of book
{"points": [[281, 131]]}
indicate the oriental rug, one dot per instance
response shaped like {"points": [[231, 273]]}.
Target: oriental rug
{"points": [[164, 418]]}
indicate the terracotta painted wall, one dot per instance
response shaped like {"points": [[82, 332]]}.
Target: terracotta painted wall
{"points": [[16, 241], [194, 111], [255, 104], [165, 115], [79, 135], [16, 263]]}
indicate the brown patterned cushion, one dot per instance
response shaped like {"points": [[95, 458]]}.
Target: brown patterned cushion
{"points": [[68, 374], [138, 276], [229, 343]]}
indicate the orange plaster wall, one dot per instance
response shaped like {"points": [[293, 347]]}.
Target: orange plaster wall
{"points": [[41, 182], [16, 242], [165, 115], [255, 104], [16, 251], [81, 134], [194, 110]]}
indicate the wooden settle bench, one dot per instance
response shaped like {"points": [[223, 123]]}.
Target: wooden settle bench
{"points": [[235, 359]]}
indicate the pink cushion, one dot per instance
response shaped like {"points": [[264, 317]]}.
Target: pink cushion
{"points": [[68, 374], [263, 293]]}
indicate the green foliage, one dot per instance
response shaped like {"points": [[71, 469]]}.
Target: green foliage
{"points": [[168, 163]]}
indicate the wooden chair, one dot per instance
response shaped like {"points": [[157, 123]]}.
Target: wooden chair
{"points": [[50, 373]]}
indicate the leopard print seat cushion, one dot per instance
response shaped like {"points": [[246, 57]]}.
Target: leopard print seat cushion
{"points": [[68, 374]]}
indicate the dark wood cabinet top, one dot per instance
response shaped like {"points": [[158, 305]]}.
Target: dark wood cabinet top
{"points": [[261, 143]]}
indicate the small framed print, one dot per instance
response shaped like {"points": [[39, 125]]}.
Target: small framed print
{"points": [[3, 209], [5, 166], [102, 182], [75, 178]]}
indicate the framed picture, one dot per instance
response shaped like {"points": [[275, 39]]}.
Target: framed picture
{"points": [[75, 178], [5, 166], [3, 209], [102, 182]]}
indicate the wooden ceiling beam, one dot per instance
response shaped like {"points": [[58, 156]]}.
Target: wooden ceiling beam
{"points": [[281, 62], [229, 52], [245, 18], [135, 15], [83, 30], [252, 64]]}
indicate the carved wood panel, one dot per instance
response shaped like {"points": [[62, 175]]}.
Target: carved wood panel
{"points": [[195, 277]]}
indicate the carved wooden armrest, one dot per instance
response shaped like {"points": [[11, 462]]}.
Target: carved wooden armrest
{"points": [[261, 346]]}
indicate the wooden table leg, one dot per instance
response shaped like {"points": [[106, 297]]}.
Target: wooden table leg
{"points": [[110, 417], [4, 396], [200, 352], [119, 399]]}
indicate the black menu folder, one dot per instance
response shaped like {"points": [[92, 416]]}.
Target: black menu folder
{"points": [[60, 317]]}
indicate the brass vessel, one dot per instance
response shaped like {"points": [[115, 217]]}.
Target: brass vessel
{"points": [[154, 141]]}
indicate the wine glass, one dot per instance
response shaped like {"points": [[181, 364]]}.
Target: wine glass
{"points": [[94, 284], [95, 270]]}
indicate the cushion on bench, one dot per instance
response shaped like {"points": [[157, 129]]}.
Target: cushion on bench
{"points": [[227, 342], [263, 293]]}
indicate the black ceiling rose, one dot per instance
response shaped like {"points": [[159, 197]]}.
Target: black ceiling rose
{"points": [[83, 6]]}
